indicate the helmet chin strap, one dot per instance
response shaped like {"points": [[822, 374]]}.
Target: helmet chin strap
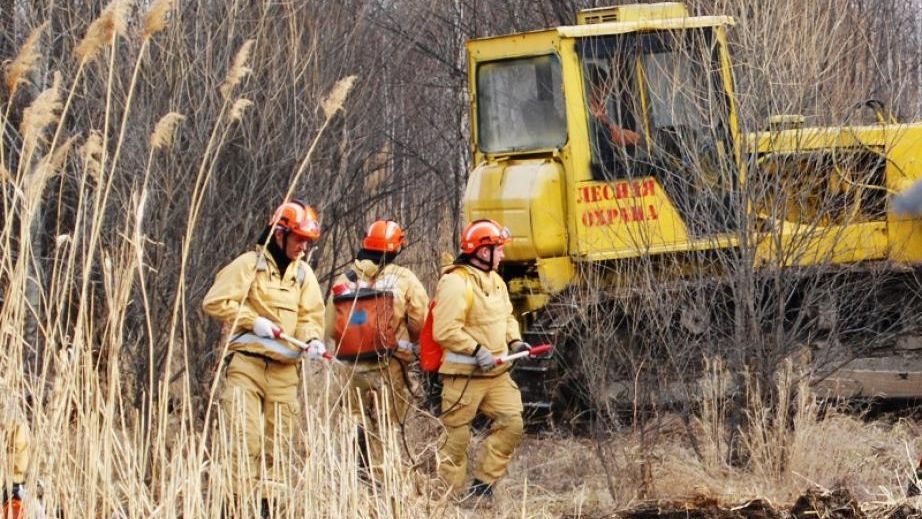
{"points": [[480, 263]]}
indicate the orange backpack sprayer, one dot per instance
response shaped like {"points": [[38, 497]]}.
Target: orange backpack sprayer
{"points": [[364, 327]]}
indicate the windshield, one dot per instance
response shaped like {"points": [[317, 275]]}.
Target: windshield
{"points": [[520, 105], [657, 107], [657, 92]]}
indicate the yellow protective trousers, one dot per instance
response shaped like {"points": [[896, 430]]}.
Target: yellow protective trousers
{"points": [[260, 408], [379, 398], [462, 397]]}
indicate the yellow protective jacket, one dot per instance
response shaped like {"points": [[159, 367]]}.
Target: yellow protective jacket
{"points": [[488, 321], [18, 439], [251, 286], [411, 303]]}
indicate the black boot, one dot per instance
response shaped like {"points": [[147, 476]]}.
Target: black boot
{"points": [[480, 495], [481, 489], [364, 461], [912, 488], [16, 493]]}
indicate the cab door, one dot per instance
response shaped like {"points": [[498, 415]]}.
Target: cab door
{"points": [[663, 169]]}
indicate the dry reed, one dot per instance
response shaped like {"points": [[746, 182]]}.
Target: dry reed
{"points": [[238, 69], [22, 65], [236, 111], [165, 130], [155, 18], [335, 100], [91, 152], [112, 22], [39, 115]]}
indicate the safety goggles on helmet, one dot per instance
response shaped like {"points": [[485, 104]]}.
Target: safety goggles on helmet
{"points": [[297, 218], [481, 233], [384, 236]]}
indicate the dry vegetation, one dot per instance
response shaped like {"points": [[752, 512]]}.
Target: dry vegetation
{"points": [[145, 143]]}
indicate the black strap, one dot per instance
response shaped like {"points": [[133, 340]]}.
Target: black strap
{"points": [[352, 276]]}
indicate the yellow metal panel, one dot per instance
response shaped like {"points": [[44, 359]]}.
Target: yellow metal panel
{"points": [[631, 13], [625, 216], [603, 29], [513, 45], [728, 84], [528, 198], [904, 167], [803, 245], [556, 273], [899, 238], [822, 138]]}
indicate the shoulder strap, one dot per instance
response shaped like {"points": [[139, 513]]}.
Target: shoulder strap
{"points": [[302, 273], [469, 288], [262, 265]]}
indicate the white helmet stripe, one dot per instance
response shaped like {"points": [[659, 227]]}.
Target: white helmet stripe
{"points": [[480, 225], [390, 229]]}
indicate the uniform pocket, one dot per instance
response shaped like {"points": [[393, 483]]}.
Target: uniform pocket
{"points": [[454, 393], [284, 301]]}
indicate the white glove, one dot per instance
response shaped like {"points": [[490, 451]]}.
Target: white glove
{"points": [[315, 350], [485, 360], [265, 328]]}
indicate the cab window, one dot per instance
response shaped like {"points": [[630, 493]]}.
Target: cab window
{"points": [[520, 105]]}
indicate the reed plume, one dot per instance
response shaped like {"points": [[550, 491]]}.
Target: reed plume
{"points": [[335, 100], [239, 107], [91, 152], [165, 130], [17, 71], [41, 113], [330, 104], [238, 69], [155, 19], [111, 22]]}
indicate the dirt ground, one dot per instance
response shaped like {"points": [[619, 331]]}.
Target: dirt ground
{"points": [[840, 467]]}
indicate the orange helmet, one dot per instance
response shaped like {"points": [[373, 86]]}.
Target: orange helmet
{"points": [[480, 233], [384, 236], [296, 217]]}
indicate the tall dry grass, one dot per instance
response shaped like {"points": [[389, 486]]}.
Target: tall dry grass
{"points": [[67, 331]]}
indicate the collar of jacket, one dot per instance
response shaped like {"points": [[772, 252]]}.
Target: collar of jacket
{"points": [[480, 277], [274, 266], [366, 269]]}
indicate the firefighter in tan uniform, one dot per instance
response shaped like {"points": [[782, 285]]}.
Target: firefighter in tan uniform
{"points": [[380, 378], [259, 296], [17, 440], [473, 322]]}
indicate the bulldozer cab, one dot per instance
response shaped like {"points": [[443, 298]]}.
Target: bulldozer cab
{"points": [[609, 139], [657, 109]]}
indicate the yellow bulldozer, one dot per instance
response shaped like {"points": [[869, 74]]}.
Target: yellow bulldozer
{"points": [[651, 235]]}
